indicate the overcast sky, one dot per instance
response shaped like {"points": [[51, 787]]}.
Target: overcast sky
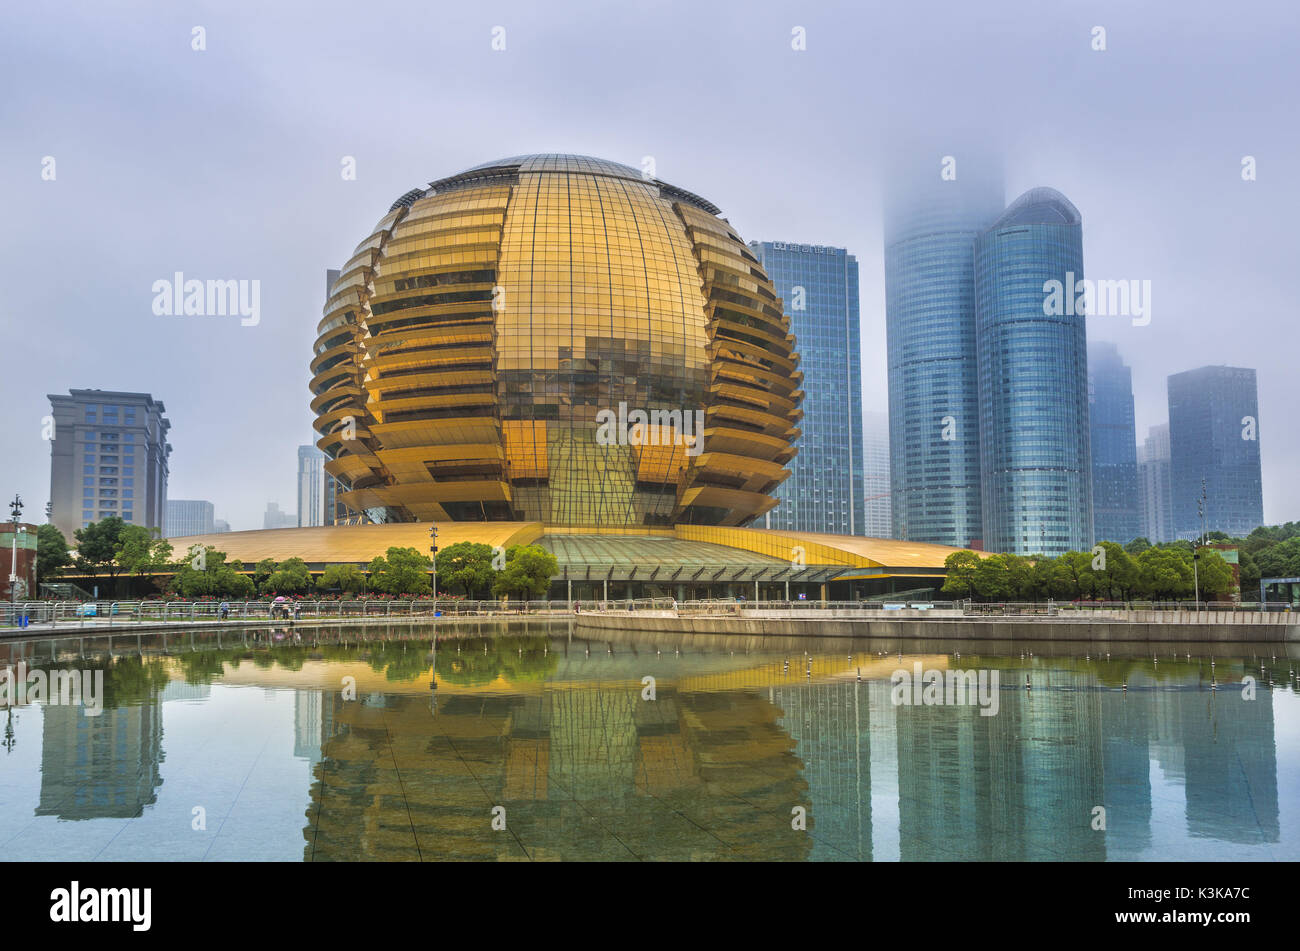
{"points": [[225, 163]]}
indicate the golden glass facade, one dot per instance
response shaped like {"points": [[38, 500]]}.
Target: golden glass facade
{"points": [[471, 343]]}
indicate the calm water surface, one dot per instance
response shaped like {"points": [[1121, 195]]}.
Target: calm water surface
{"points": [[380, 744]]}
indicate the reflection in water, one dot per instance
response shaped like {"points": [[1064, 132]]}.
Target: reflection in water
{"points": [[405, 748], [99, 767]]}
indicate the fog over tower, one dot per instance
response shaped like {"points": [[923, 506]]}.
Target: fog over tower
{"points": [[931, 221]]}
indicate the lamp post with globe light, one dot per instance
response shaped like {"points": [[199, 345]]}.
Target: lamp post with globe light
{"points": [[16, 507]]}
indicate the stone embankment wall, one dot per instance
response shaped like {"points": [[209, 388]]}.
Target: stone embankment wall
{"points": [[1117, 626]]}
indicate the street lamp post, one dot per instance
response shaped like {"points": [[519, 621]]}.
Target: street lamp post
{"points": [[1196, 546], [433, 556], [16, 507]]}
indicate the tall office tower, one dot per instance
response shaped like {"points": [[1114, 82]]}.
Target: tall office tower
{"points": [[931, 222], [1035, 463], [1116, 505], [311, 486], [878, 518], [108, 457], [274, 518], [1156, 489], [819, 286], [1214, 435], [189, 517]]}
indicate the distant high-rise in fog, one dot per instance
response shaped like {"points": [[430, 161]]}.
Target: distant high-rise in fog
{"points": [[1214, 436], [1155, 489], [1116, 514]]}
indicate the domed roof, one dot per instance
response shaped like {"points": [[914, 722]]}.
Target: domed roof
{"points": [[561, 162], [507, 170], [1039, 206]]}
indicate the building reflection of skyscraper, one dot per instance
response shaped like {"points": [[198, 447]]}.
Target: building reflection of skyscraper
{"points": [[830, 724], [1019, 785], [1127, 718], [105, 766], [1230, 759]]}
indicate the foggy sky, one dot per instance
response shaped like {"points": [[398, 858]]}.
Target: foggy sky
{"points": [[225, 164]]}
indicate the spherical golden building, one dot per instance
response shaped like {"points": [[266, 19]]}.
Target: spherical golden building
{"points": [[555, 338]]}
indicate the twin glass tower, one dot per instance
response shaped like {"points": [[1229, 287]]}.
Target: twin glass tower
{"points": [[988, 386]]}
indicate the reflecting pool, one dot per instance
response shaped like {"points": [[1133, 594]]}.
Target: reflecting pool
{"points": [[519, 741]]}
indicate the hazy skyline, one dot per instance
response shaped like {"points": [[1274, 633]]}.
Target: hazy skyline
{"points": [[225, 163]]}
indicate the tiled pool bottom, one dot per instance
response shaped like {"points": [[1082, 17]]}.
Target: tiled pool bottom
{"points": [[318, 747]]}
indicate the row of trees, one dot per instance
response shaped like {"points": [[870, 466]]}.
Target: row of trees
{"points": [[111, 548], [1110, 572]]}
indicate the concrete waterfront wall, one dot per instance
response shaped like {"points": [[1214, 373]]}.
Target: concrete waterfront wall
{"points": [[1198, 627]]}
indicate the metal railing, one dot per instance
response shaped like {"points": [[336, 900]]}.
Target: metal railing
{"points": [[126, 613]]}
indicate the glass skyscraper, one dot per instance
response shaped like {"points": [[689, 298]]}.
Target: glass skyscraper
{"points": [[1156, 489], [1116, 511], [1035, 463], [930, 229], [879, 521], [1214, 435], [189, 517], [311, 486], [819, 286]]}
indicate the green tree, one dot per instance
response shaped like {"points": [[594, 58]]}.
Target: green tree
{"points": [[52, 554], [140, 551], [1116, 574], [1250, 574], [215, 578], [467, 565], [1077, 578], [1280, 560], [347, 578], [291, 577], [1045, 579], [960, 567], [1138, 545], [1214, 575], [233, 583], [527, 574], [191, 582], [1164, 573], [1020, 576], [97, 548], [401, 571], [263, 570], [992, 580]]}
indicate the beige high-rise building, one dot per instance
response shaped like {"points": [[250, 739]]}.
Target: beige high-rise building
{"points": [[109, 456]]}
